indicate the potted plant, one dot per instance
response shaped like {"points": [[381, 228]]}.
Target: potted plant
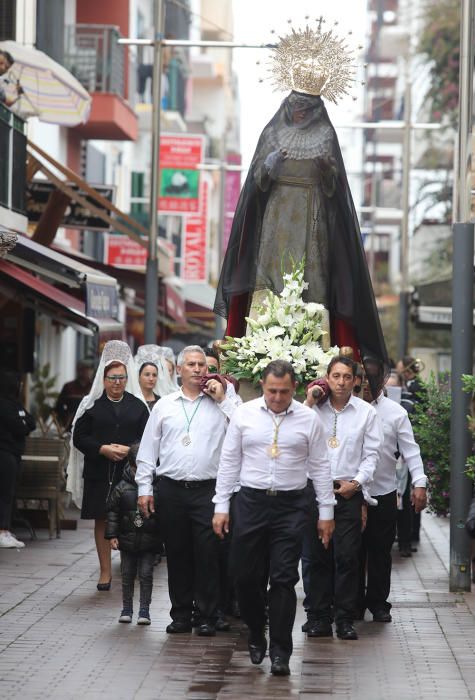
{"points": [[431, 424], [286, 328]]}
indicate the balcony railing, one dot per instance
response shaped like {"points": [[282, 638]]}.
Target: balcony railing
{"points": [[94, 56], [13, 161]]}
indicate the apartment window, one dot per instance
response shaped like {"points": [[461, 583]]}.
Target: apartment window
{"points": [[7, 19], [50, 28]]}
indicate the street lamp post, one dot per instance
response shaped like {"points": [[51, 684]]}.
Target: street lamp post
{"points": [[462, 314]]}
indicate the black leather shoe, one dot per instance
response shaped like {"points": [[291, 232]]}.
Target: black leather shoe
{"points": [[257, 645], [280, 667], [345, 630], [222, 625], [320, 628], [179, 627], [306, 625], [206, 629], [382, 616], [405, 552]]}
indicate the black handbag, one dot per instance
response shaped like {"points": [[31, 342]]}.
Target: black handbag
{"points": [[470, 521]]}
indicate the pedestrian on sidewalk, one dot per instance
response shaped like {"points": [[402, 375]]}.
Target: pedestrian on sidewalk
{"points": [[137, 538], [380, 531], [272, 444], [353, 438], [181, 444], [15, 424]]}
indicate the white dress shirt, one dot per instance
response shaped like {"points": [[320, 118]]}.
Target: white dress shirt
{"points": [[163, 439], [398, 436], [359, 438], [245, 457]]}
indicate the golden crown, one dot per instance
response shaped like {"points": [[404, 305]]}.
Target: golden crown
{"points": [[313, 61]]}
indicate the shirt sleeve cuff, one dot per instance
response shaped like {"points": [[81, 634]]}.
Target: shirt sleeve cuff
{"points": [[420, 482], [145, 490], [325, 512], [222, 507]]}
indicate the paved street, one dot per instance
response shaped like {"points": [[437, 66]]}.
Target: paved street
{"points": [[59, 637]]}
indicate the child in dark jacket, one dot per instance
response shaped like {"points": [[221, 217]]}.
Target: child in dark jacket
{"points": [[137, 538]]}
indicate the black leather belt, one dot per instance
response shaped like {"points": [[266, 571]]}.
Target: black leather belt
{"points": [[274, 492], [190, 484]]}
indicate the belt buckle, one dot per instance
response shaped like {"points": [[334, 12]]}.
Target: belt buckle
{"points": [[271, 492]]}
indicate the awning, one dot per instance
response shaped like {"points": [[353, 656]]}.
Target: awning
{"points": [[170, 304], [19, 285], [98, 289]]}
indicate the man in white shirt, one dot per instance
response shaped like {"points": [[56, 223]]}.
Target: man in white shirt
{"points": [[184, 435], [380, 532], [353, 438], [272, 444]]}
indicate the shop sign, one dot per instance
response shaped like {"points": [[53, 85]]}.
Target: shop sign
{"points": [[179, 175], [102, 300], [122, 251], [195, 253]]}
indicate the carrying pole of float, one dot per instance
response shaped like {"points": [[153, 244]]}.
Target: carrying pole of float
{"points": [[462, 314]]}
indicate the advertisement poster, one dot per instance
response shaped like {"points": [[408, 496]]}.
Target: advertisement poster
{"points": [[179, 176]]}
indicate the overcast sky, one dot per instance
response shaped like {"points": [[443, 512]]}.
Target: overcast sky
{"points": [[253, 22]]}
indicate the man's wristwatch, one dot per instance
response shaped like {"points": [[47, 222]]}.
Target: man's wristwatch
{"points": [[357, 483]]}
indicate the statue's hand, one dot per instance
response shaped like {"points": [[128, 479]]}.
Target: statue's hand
{"points": [[273, 161]]}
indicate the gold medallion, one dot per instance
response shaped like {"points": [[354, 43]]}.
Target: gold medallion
{"points": [[273, 451], [333, 442]]}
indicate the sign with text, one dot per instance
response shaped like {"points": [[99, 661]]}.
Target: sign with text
{"points": [[122, 251], [195, 249], [75, 216], [102, 301], [179, 176]]}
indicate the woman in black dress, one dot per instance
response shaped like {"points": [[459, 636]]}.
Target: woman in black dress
{"points": [[103, 432]]}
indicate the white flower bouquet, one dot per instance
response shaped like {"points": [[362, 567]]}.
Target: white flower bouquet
{"points": [[286, 328]]}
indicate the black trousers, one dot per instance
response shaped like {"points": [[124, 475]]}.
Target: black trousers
{"points": [[10, 468], [331, 575], [377, 541], [268, 532], [185, 516], [131, 564], [404, 518]]}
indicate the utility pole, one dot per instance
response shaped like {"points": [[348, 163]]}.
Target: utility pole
{"points": [[151, 274], [406, 179], [462, 314]]}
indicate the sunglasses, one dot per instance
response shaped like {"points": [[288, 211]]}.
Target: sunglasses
{"points": [[117, 378]]}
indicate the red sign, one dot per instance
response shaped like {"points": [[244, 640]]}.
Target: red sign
{"points": [[179, 175], [195, 250], [122, 251]]}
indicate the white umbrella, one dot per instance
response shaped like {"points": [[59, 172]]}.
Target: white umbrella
{"points": [[50, 92]]}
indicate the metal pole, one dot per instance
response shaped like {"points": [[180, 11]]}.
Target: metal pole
{"points": [[406, 179], [462, 315], [151, 275], [219, 321]]}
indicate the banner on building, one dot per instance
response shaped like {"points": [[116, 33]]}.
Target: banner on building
{"points": [[232, 189], [195, 236], [75, 216], [179, 175]]}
